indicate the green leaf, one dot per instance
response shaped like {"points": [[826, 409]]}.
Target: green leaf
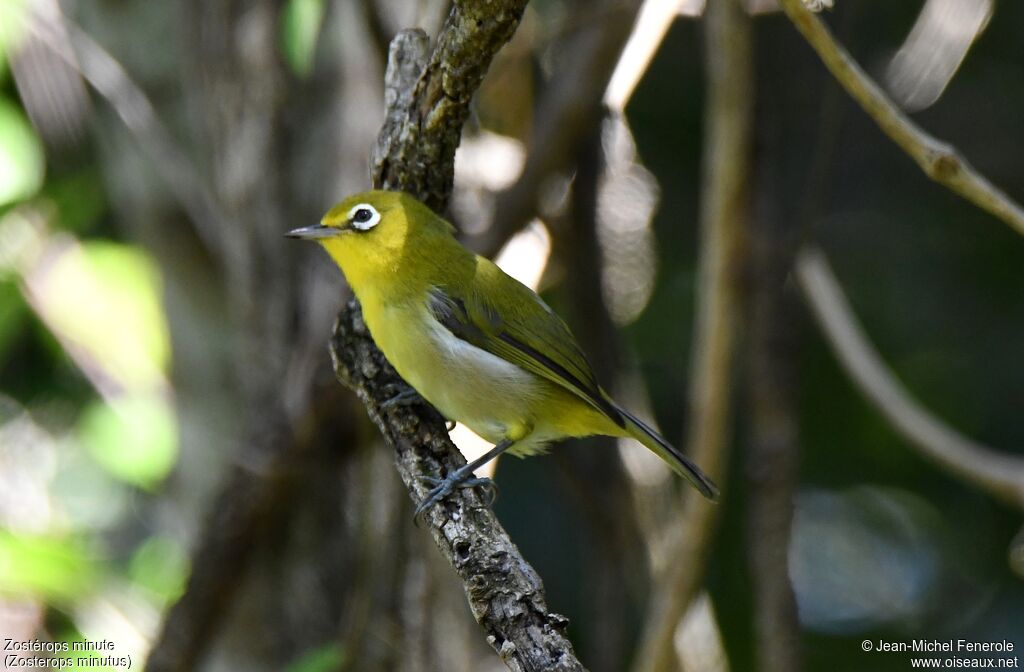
{"points": [[300, 28], [134, 439], [21, 155], [52, 567], [328, 658]]}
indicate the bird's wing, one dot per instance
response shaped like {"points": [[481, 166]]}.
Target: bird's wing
{"points": [[500, 315]]}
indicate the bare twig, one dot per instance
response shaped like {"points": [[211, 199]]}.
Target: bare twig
{"points": [[998, 474], [727, 156], [427, 105], [653, 22], [939, 160]]}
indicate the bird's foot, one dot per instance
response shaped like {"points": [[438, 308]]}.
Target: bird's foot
{"points": [[457, 479], [400, 395]]}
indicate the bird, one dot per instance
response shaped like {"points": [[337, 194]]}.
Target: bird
{"points": [[478, 345]]}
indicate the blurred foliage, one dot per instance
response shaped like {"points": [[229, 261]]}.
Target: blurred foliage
{"points": [[885, 544], [329, 658], [13, 313], [84, 355], [300, 27], [12, 19], [88, 291], [59, 569], [21, 155], [134, 439], [160, 565], [80, 201]]}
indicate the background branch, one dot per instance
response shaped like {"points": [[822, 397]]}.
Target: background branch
{"points": [[1001, 475], [772, 451], [726, 164], [415, 153], [939, 160], [568, 114]]}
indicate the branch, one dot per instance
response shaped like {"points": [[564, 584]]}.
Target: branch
{"points": [[772, 451], [726, 164], [1000, 475], [939, 160], [415, 151], [427, 103]]}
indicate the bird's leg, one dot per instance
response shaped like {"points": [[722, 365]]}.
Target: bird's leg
{"points": [[401, 394], [463, 478], [406, 395]]}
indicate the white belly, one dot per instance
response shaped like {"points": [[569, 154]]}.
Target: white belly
{"points": [[465, 383]]}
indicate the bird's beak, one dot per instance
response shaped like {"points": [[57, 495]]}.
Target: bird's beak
{"points": [[314, 232]]}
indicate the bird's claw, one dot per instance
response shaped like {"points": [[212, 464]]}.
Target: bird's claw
{"points": [[489, 487], [401, 395], [442, 487]]}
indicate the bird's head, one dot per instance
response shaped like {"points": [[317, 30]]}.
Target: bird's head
{"points": [[370, 235]]}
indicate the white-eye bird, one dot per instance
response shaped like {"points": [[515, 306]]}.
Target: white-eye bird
{"points": [[480, 346]]}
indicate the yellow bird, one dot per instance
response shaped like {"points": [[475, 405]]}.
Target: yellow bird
{"points": [[480, 346]]}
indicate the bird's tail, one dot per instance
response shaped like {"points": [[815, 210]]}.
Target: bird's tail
{"points": [[680, 464]]}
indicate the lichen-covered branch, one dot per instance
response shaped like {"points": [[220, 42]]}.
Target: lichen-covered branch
{"points": [[427, 100], [939, 160], [726, 165], [999, 474]]}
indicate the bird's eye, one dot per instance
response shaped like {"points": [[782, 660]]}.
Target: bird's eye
{"points": [[363, 217]]}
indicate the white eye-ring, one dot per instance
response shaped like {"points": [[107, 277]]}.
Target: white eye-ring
{"points": [[363, 217]]}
